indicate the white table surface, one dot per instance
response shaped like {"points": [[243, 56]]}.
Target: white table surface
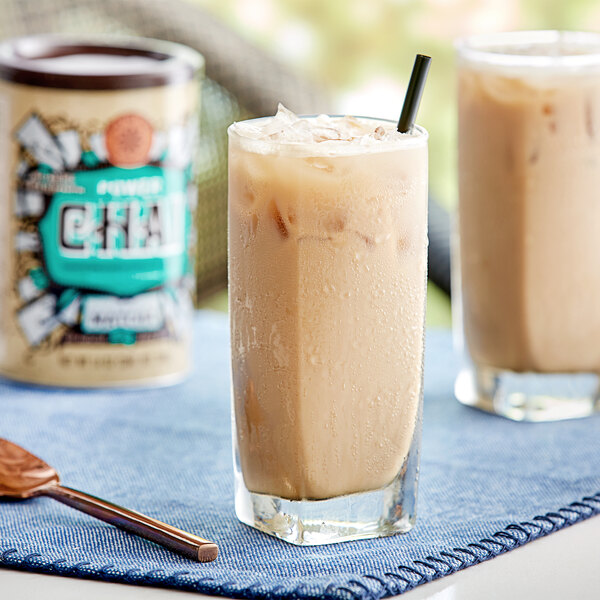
{"points": [[563, 565]]}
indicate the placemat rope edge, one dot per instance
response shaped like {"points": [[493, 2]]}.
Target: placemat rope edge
{"points": [[392, 583]]}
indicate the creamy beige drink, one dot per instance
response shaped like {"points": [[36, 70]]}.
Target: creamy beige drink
{"points": [[529, 172], [327, 296]]}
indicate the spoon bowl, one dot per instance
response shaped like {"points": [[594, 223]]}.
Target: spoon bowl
{"points": [[23, 475]]}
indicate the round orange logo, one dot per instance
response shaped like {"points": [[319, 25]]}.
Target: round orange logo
{"points": [[128, 141]]}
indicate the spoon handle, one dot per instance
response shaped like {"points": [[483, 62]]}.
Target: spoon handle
{"points": [[174, 539]]}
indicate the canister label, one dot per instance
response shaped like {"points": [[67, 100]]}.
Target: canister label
{"points": [[103, 228]]}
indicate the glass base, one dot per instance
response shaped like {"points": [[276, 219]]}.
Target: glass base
{"points": [[529, 396], [377, 513]]}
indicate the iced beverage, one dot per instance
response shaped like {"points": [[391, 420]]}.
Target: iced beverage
{"points": [[529, 221], [328, 252]]}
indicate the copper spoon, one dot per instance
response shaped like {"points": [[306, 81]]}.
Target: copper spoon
{"points": [[23, 475]]}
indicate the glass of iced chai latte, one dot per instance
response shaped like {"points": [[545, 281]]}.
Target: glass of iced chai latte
{"points": [[529, 223], [328, 255]]}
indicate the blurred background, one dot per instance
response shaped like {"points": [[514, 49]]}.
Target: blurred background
{"points": [[343, 56]]}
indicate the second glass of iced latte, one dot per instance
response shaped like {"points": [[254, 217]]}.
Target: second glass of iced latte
{"points": [[327, 251], [529, 223]]}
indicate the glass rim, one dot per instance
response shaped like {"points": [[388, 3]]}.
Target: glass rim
{"points": [[494, 49], [418, 137]]}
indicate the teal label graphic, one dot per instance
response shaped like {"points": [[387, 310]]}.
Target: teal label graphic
{"points": [[124, 233], [104, 221]]}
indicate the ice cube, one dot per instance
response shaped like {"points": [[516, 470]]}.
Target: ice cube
{"points": [[299, 131], [323, 134], [278, 220], [98, 146], [28, 290], [286, 126], [69, 315], [320, 163], [352, 123], [29, 203], [26, 241], [253, 132], [379, 133], [336, 222], [38, 319], [69, 144], [279, 125], [40, 143], [272, 130], [252, 225], [285, 115]]}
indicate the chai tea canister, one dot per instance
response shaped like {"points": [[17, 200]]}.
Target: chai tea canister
{"points": [[97, 139]]}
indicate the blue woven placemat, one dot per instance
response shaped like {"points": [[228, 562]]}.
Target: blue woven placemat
{"points": [[487, 486]]}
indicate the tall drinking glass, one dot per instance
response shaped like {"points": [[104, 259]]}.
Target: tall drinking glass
{"points": [[327, 271], [529, 223]]}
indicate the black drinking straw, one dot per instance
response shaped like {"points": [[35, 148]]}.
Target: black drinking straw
{"points": [[414, 93]]}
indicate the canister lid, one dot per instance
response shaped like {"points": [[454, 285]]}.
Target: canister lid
{"points": [[96, 62]]}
